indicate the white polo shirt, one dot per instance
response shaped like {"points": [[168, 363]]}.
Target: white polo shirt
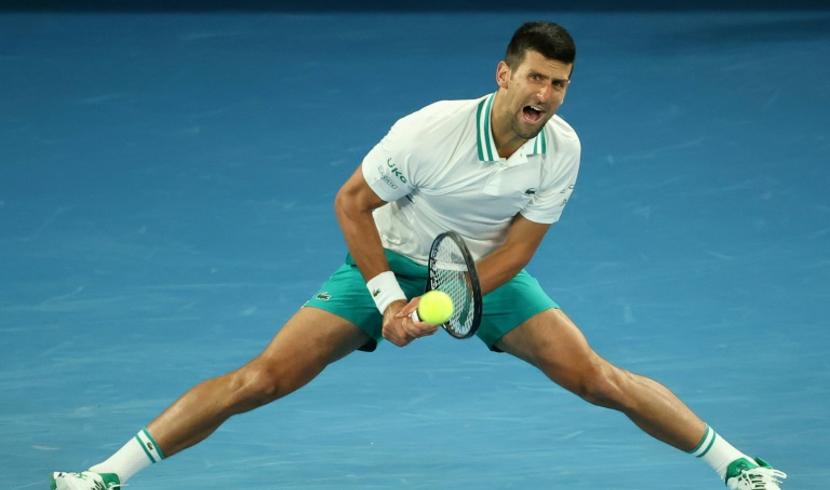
{"points": [[438, 170]]}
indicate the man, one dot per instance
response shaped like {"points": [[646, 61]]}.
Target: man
{"points": [[498, 170]]}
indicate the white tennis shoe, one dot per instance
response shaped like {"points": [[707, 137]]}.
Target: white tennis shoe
{"points": [[85, 480], [743, 474]]}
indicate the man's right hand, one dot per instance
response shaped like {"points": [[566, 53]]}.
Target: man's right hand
{"points": [[400, 329]]}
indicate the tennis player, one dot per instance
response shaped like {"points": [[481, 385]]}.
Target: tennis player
{"points": [[498, 170]]}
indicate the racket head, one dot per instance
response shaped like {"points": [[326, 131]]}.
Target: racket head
{"points": [[451, 269]]}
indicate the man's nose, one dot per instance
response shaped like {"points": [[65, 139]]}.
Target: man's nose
{"points": [[545, 93]]}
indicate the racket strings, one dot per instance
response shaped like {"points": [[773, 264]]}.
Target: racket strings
{"points": [[452, 277]]}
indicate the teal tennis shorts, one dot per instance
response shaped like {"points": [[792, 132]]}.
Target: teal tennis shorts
{"points": [[504, 308]]}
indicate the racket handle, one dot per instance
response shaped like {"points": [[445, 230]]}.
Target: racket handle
{"points": [[414, 316]]}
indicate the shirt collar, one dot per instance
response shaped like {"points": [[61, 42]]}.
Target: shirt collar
{"points": [[486, 145]]}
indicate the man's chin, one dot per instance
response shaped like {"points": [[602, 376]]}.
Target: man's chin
{"points": [[529, 131]]}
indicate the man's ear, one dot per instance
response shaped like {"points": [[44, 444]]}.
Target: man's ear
{"points": [[502, 74]]}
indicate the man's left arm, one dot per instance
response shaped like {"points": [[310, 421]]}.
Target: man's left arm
{"points": [[523, 238], [528, 228]]}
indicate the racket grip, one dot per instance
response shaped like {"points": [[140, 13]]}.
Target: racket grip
{"points": [[414, 316]]}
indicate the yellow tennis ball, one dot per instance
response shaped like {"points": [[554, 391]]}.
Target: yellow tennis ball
{"points": [[435, 307]]}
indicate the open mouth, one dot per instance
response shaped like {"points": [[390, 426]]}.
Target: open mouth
{"points": [[532, 113]]}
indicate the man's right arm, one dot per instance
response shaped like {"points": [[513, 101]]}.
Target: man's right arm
{"points": [[353, 206]]}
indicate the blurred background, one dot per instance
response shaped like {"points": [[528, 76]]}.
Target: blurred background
{"points": [[167, 175]]}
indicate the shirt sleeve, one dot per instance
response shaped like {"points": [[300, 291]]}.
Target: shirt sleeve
{"points": [[389, 167], [558, 183]]}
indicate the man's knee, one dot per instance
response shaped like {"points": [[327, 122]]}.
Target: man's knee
{"points": [[261, 382], [600, 383], [308, 342]]}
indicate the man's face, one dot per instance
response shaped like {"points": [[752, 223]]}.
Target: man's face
{"points": [[533, 91]]}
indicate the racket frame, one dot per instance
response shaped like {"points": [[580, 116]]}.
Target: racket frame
{"points": [[473, 274]]}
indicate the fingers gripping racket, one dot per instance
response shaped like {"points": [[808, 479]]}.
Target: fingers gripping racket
{"points": [[451, 270]]}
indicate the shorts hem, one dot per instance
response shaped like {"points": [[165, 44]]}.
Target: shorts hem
{"points": [[492, 344], [370, 344]]}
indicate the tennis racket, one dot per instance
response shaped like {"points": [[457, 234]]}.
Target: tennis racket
{"points": [[451, 270]]}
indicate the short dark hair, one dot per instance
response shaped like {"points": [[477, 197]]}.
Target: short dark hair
{"points": [[548, 39]]}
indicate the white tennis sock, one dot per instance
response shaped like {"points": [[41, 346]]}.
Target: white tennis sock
{"points": [[138, 453], [717, 452]]}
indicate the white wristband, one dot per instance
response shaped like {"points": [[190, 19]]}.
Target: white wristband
{"points": [[385, 289]]}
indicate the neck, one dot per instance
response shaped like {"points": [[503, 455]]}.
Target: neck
{"points": [[507, 141]]}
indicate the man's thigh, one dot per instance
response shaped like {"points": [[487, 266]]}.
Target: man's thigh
{"points": [[554, 344], [511, 305], [315, 337]]}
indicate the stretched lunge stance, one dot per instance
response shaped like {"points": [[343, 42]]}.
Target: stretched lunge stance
{"points": [[498, 170]]}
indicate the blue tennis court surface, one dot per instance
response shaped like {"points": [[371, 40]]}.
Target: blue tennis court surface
{"points": [[166, 188]]}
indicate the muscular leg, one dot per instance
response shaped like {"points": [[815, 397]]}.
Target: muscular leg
{"points": [[551, 342], [307, 343]]}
